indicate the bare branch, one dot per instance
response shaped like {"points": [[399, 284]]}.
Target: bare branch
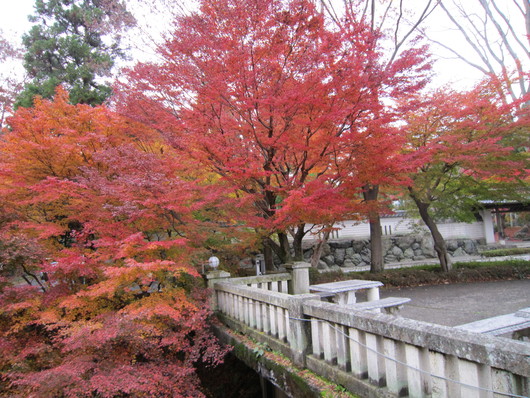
{"points": [[462, 58], [328, 7], [469, 40], [496, 40], [425, 13], [511, 29]]}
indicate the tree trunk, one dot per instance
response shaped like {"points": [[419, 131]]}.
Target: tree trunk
{"points": [[285, 248], [439, 242], [281, 249], [268, 255], [318, 248], [297, 242], [376, 244], [370, 194]]}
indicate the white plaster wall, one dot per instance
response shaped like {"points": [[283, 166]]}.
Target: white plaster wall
{"points": [[402, 226]]}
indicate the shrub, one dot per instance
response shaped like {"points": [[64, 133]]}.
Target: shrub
{"points": [[506, 252]]}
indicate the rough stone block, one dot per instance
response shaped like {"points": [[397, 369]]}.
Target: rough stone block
{"points": [[343, 244], [470, 247], [459, 252], [359, 245], [452, 245], [340, 255], [397, 252], [329, 259], [348, 263], [404, 242], [408, 253], [366, 250], [356, 259]]}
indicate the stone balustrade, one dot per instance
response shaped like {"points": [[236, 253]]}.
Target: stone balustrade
{"points": [[413, 358], [272, 282], [371, 354]]}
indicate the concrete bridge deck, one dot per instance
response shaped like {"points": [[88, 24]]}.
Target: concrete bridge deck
{"points": [[374, 354], [456, 304]]}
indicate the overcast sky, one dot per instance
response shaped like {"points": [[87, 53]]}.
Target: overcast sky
{"points": [[13, 18], [14, 22]]}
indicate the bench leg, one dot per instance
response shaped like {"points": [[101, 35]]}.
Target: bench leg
{"points": [[523, 335], [393, 310], [373, 295], [345, 298]]}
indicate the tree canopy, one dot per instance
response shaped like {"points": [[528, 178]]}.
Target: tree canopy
{"points": [[74, 43], [276, 102], [461, 144], [98, 289]]}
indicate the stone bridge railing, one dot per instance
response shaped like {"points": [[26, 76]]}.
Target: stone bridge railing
{"points": [[371, 354]]}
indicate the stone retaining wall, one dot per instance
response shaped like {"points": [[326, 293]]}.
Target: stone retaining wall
{"points": [[353, 253]]}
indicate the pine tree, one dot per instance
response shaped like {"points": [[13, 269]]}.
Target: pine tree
{"points": [[73, 43]]}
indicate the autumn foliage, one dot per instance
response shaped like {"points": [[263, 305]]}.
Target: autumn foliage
{"points": [[284, 108], [99, 295], [462, 144], [258, 118]]}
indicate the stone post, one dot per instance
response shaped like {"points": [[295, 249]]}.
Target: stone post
{"points": [[212, 278], [299, 329], [300, 277], [489, 232]]}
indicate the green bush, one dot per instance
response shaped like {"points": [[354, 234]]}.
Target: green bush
{"points": [[506, 252], [501, 263]]}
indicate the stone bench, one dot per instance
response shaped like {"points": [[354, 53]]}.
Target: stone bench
{"points": [[344, 292], [324, 295], [502, 324], [390, 304]]}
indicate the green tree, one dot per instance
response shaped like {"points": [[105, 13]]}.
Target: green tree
{"points": [[73, 43]]}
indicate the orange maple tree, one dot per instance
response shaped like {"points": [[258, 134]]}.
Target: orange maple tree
{"points": [[98, 293]]}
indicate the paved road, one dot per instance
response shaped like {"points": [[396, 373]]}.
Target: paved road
{"points": [[456, 304]]}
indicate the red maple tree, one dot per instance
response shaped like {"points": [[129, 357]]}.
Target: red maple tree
{"points": [[292, 114]]}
